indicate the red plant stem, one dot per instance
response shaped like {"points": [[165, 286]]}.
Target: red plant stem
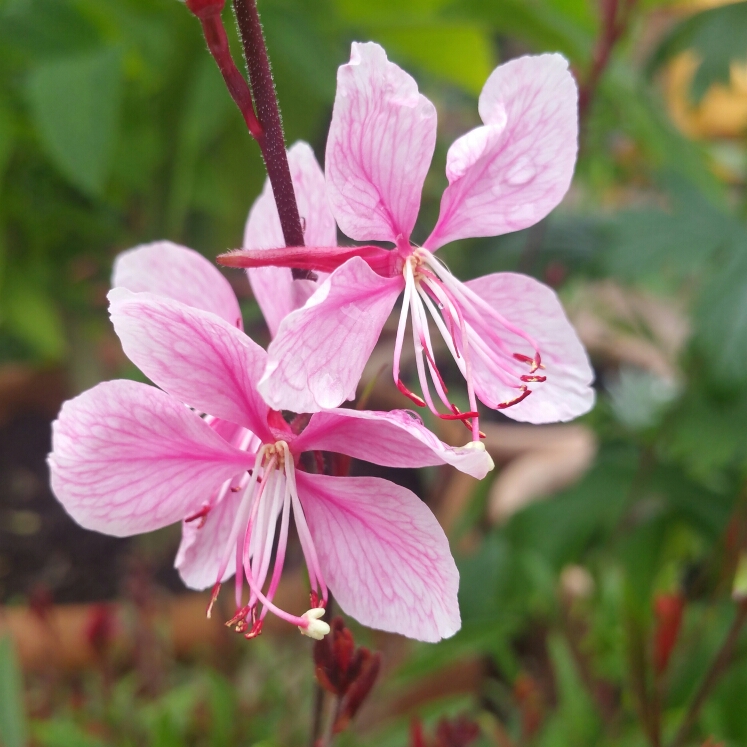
{"points": [[715, 672], [615, 17], [217, 41], [272, 142]]}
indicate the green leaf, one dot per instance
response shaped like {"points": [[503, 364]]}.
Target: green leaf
{"points": [[545, 28], [75, 106], [45, 28], [461, 54], [12, 718], [205, 112], [721, 319], [31, 316], [56, 733], [717, 35]]}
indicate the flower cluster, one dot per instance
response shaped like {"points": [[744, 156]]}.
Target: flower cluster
{"points": [[212, 444]]}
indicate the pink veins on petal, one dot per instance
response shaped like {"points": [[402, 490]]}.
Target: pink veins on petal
{"points": [[507, 334], [130, 458]]}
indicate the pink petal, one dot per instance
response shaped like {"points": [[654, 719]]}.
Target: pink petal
{"points": [[383, 554], [127, 458], [512, 172], [193, 355], [316, 359], [380, 145], [274, 288], [392, 439], [202, 547], [174, 271], [536, 309]]}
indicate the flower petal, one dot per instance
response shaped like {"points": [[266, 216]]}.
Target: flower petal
{"points": [[127, 458], [512, 172], [193, 355], [380, 145], [316, 359], [535, 309], [274, 288], [383, 555], [392, 439], [174, 271], [203, 546]]}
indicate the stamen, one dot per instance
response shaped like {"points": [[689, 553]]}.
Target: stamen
{"points": [[510, 403], [304, 535]]}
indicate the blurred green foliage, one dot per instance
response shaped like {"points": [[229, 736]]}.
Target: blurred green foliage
{"points": [[115, 130]]}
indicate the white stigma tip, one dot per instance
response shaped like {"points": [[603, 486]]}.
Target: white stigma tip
{"points": [[316, 628], [479, 446]]}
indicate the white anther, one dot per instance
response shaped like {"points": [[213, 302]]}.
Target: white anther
{"points": [[316, 628], [479, 446]]}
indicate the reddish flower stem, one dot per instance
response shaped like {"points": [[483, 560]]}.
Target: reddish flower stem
{"points": [[209, 15], [265, 125], [614, 23], [272, 141], [720, 664]]}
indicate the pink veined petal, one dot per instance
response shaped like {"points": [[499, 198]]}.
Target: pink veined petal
{"points": [[193, 355], [380, 145], [274, 288], [128, 458], [383, 554], [512, 172], [176, 272], [203, 546], [316, 359], [536, 309], [392, 439]]}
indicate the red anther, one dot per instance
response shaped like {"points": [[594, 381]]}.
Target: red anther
{"points": [[313, 600], [205, 8], [213, 597], [201, 515], [532, 379], [534, 363], [463, 416], [414, 397], [467, 425], [234, 489], [238, 618], [524, 394], [255, 631]]}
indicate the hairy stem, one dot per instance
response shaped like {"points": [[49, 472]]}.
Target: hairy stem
{"points": [[217, 41], [272, 142], [717, 669]]}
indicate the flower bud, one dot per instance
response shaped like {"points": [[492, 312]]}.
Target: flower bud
{"points": [[204, 8]]}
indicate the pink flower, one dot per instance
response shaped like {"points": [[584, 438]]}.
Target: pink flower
{"points": [[507, 333], [130, 458]]}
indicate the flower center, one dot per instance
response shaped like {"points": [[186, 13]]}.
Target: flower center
{"points": [[268, 497]]}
